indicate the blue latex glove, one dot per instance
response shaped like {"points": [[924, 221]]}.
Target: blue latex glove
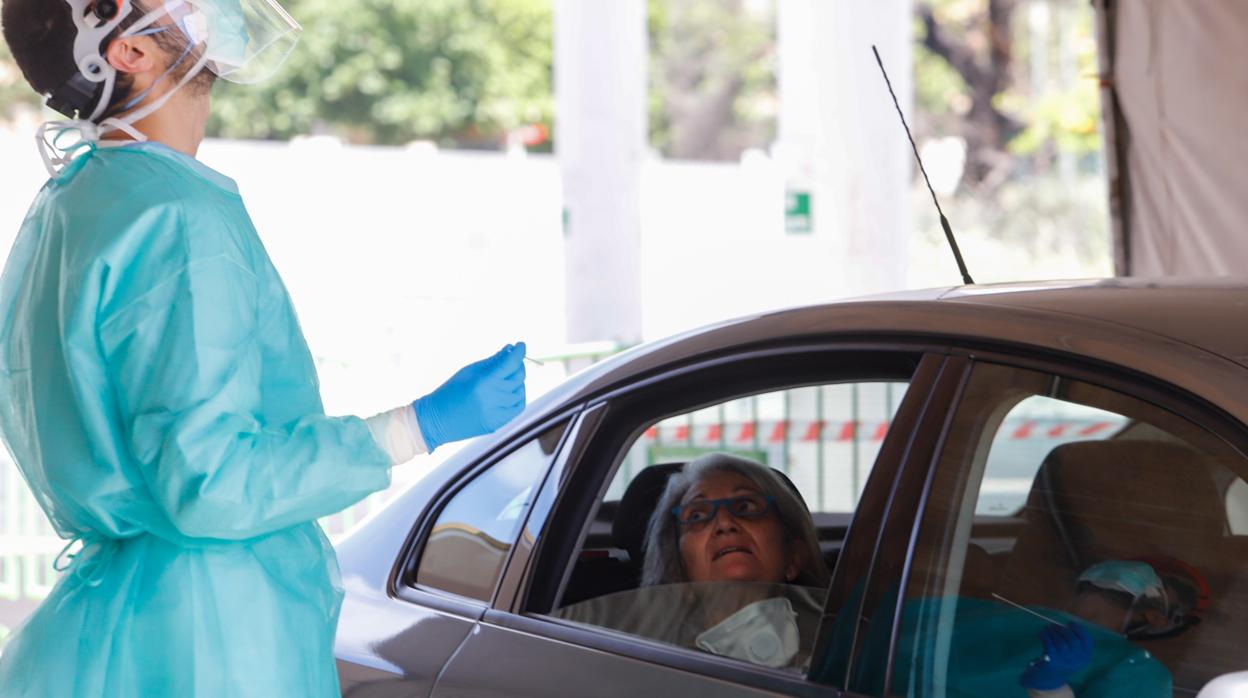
{"points": [[478, 399], [1067, 650]]}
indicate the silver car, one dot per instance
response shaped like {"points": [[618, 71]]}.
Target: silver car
{"points": [[974, 459]]}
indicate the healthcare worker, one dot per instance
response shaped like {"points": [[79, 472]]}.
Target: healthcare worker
{"points": [[158, 395], [966, 647]]}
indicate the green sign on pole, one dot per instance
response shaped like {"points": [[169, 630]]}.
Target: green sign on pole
{"points": [[797, 220]]}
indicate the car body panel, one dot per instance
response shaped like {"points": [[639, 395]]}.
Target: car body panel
{"points": [[498, 661], [389, 647], [1197, 312], [1182, 335]]}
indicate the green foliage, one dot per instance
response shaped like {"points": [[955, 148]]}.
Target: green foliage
{"points": [[1067, 118], [1059, 115], [459, 72], [14, 91], [940, 93]]}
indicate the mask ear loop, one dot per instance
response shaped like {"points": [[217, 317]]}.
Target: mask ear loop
{"points": [[94, 65], [125, 123], [134, 101]]}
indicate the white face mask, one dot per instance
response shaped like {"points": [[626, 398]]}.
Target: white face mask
{"points": [[764, 632]]}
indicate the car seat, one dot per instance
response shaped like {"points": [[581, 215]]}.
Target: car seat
{"points": [[1120, 499]]}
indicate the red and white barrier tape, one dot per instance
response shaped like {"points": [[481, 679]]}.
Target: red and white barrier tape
{"points": [[774, 432]]}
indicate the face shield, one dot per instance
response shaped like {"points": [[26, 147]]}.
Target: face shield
{"points": [[243, 41]]}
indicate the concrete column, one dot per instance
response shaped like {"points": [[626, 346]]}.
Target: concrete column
{"points": [[839, 136], [600, 140]]}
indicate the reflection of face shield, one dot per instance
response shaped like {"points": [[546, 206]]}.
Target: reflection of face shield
{"points": [[1138, 580]]}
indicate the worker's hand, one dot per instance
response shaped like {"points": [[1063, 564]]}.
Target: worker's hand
{"points": [[478, 399], [1067, 650]]}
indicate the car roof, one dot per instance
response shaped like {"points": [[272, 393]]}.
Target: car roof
{"points": [[1191, 333], [1208, 313]]}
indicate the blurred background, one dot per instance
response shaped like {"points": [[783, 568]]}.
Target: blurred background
{"points": [[434, 178]]}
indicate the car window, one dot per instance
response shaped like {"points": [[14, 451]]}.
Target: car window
{"points": [[824, 437], [1116, 571], [814, 446], [470, 540], [1033, 428]]}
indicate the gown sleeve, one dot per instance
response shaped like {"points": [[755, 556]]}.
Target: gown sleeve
{"points": [[186, 361]]}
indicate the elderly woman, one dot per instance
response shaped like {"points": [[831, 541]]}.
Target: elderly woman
{"points": [[732, 567], [724, 518]]}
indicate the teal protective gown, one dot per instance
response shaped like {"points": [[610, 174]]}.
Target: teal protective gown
{"points": [[161, 402], [990, 646]]}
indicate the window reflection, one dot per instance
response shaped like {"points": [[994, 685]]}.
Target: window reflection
{"points": [[469, 543]]}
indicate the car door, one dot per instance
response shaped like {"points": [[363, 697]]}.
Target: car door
{"points": [[396, 644], [521, 647], [1065, 494]]}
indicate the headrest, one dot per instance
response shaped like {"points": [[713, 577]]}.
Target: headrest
{"points": [[632, 518], [1122, 499], [1111, 500]]}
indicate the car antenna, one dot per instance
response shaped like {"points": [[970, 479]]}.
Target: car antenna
{"points": [[944, 222]]}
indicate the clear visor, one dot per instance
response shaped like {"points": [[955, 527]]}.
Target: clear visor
{"points": [[246, 41]]}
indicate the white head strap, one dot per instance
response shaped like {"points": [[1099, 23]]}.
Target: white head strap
{"points": [[92, 64]]}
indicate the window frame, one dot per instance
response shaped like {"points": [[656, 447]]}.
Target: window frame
{"points": [[403, 582], [1143, 387], [581, 482]]}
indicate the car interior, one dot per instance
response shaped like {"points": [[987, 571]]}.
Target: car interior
{"points": [[1117, 500], [1138, 492]]}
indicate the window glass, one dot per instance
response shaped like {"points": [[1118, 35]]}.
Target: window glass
{"points": [[1032, 429], [1237, 507], [1114, 571], [823, 437], [468, 545], [737, 563]]}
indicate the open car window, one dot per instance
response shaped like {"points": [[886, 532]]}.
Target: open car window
{"points": [[820, 440]]}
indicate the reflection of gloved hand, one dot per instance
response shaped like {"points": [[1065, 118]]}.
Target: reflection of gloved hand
{"points": [[478, 399], [1067, 649]]}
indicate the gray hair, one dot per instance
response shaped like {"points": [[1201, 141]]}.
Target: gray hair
{"points": [[663, 563]]}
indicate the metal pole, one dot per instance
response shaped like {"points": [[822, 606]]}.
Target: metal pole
{"points": [[788, 406], [854, 476], [754, 421], [819, 446]]}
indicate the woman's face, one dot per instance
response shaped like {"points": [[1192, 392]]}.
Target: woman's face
{"points": [[727, 548]]}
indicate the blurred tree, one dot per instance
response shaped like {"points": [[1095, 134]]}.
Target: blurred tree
{"points": [[15, 93], [462, 73], [712, 77], [1015, 85], [975, 38]]}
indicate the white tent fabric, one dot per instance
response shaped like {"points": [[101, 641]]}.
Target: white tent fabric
{"points": [[1180, 79]]}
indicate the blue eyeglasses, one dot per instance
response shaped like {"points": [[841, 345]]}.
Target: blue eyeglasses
{"points": [[701, 511]]}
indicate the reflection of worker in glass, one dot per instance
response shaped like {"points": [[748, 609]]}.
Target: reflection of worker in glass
{"points": [[1087, 651], [732, 567], [1118, 598], [159, 397]]}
